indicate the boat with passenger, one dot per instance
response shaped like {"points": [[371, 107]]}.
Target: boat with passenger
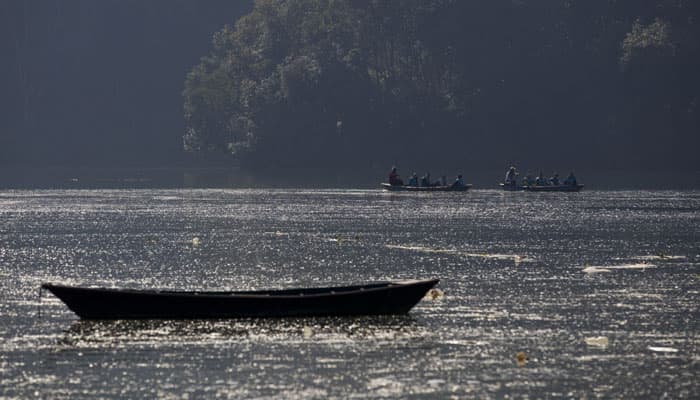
{"points": [[540, 183], [425, 184]]}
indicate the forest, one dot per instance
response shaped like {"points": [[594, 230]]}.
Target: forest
{"points": [[334, 83]]}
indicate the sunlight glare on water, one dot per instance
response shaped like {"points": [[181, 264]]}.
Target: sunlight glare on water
{"points": [[591, 294]]}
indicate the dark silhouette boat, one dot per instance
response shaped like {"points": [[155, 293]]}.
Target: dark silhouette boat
{"points": [[368, 299], [554, 188], [404, 188], [542, 188]]}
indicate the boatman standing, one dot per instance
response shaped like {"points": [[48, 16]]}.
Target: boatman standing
{"points": [[510, 176], [394, 179]]}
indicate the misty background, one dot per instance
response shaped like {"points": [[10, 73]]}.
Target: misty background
{"points": [[333, 93]]}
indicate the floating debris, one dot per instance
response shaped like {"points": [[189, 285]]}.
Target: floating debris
{"points": [[597, 341], [494, 256], [434, 294], [195, 241], [520, 358], [307, 332]]}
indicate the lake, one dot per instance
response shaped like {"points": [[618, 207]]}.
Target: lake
{"points": [[545, 295]]}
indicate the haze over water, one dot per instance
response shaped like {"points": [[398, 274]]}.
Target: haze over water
{"points": [[598, 290]]}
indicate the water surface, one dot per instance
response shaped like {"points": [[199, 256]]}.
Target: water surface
{"points": [[591, 294]]}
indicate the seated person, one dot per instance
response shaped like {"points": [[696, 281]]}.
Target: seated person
{"points": [[459, 182], [554, 180], [541, 180], [570, 180], [425, 180], [414, 180]]}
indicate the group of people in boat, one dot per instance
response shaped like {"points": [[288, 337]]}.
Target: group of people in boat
{"points": [[424, 181], [540, 180]]}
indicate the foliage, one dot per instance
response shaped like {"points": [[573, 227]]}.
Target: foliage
{"points": [[321, 82], [654, 35]]}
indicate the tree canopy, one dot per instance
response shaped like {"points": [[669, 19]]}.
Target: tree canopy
{"points": [[322, 82]]}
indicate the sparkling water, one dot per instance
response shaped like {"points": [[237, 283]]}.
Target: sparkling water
{"points": [[590, 294]]}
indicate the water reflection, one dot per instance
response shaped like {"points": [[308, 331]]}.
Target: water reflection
{"points": [[259, 329], [512, 267]]}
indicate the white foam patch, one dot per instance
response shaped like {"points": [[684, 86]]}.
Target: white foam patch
{"points": [[602, 357], [495, 256], [276, 234], [420, 249], [593, 269], [386, 387], [653, 257], [658, 349], [660, 257]]}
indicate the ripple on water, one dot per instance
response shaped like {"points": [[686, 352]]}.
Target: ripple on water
{"points": [[546, 276]]}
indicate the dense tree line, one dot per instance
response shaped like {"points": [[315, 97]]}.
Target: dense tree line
{"points": [[334, 82]]}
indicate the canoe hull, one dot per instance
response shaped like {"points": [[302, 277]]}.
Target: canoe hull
{"points": [[395, 188], [558, 188], [512, 188], [374, 299], [535, 188]]}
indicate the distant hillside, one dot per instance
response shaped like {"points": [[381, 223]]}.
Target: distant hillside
{"points": [[321, 83], [306, 84]]}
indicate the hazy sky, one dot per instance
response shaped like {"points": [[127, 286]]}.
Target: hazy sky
{"points": [[99, 83]]}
